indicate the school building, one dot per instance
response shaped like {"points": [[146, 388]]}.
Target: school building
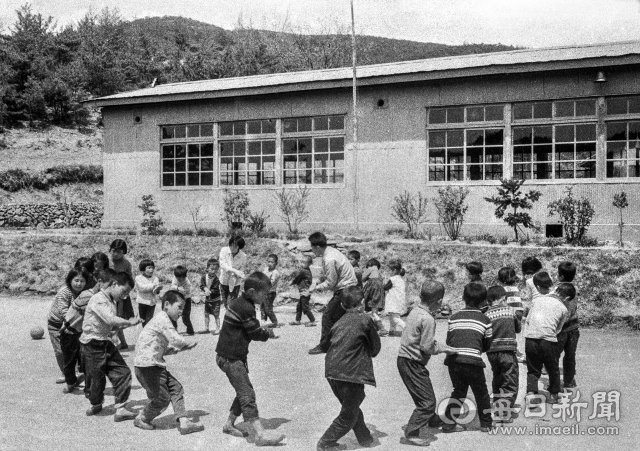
{"points": [[556, 117]]}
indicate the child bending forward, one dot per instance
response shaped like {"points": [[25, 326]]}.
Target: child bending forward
{"points": [[158, 339]]}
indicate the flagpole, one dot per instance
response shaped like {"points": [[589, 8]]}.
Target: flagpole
{"points": [[356, 197]]}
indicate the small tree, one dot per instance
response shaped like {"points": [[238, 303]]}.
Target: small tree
{"points": [[151, 222], [197, 218], [235, 207], [451, 208], [257, 222], [510, 196], [292, 205], [620, 202], [410, 210], [575, 215]]}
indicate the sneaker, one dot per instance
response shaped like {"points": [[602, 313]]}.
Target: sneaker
{"points": [[190, 428], [522, 359], [311, 324], [554, 399], [571, 384], [383, 333], [123, 347], [93, 410], [69, 389], [330, 447], [450, 428], [124, 414], [60, 380], [235, 432], [316, 350], [140, 423], [295, 323], [215, 332], [436, 422], [415, 441], [269, 438]]}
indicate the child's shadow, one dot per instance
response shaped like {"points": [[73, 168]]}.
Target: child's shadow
{"points": [[170, 421], [267, 423], [352, 443], [109, 391]]}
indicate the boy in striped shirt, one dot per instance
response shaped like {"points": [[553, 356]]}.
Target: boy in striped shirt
{"points": [[470, 333]]}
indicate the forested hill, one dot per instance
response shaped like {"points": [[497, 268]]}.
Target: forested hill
{"points": [[47, 71]]}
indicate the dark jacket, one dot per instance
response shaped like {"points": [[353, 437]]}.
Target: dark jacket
{"points": [[303, 279], [505, 324], [214, 287], [239, 327], [354, 342], [470, 331]]}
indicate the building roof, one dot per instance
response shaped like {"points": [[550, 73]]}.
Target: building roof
{"points": [[529, 60]]}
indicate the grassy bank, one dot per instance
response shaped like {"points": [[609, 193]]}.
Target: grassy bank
{"points": [[606, 282]]}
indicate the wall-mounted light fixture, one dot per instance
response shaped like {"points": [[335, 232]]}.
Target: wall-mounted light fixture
{"points": [[601, 77]]}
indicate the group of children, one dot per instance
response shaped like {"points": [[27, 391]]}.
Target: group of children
{"points": [[87, 318]]}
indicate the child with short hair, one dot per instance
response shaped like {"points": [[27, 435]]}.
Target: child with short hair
{"points": [[304, 280], [509, 279], [396, 300], [505, 324], [181, 283], [102, 358], [544, 322], [354, 341], [158, 339], [530, 267], [354, 258], [119, 263], [374, 293], [471, 333], [239, 328], [147, 287], [570, 334], [266, 308], [210, 285], [86, 263], [417, 345], [474, 271]]}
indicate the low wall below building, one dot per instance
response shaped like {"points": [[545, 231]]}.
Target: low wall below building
{"points": [[81, 215]]}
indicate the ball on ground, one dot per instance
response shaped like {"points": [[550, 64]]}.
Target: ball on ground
{"points": [[37, 332]]}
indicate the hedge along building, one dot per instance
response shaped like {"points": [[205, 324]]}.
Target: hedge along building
{"points": [[556, 117]]}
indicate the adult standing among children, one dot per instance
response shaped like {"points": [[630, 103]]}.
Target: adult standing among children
{"points": [[232, 264], [339, 274]]}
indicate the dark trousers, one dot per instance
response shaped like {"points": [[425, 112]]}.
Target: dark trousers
{"points": [[568, 342], [186, 316], [266, 308], [227, 295], [303, 307], [542, 353], [54, 336], [505, 368], [70, 344], [162, 389], [415, 377], [245, 401], [330, 316], [350, 417], [463, 376], [146, 313], [103, 360]]}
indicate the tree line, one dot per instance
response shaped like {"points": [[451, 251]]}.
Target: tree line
{"points": [[46, 71]]}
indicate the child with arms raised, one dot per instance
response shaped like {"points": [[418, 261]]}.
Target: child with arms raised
{"points": [[158, 339]]}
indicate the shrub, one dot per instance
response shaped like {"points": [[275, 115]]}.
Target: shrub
{"points": [[257, 222], [510, 196], [487, 237], [451, 208], [292, 205], [503, 240], [586, 241], [235, 207], [16, 179], [209, 232], [620, 202], [552, 242], [151, 222], [575, 215], [410, 210]]}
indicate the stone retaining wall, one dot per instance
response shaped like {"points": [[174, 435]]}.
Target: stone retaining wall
{"points": [[51, 216]]}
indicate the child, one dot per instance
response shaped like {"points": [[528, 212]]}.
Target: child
{"points": [[239, 327], [100, 261], [232, 264], [74, 284], [72, 329], [508, 279], [474, 271], [544, 322], [158, 339], [471, 333], [266, 308], [210, 285], [86, 263], [530, 267], [354, 341], [181, 283], [147, 286], [354, 259], [374, 293], [505, 324], [119, 263], [416, 348], [568, 338], [303, 280], [101, 357], [395, 302]]}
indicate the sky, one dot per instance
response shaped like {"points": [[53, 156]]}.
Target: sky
{"points": [[526, 23]]}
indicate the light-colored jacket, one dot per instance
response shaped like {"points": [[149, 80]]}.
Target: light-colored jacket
{"points": [[396, 300], [232, 267], [144, 288], [158, 336], [100, 318], [337, 271]]}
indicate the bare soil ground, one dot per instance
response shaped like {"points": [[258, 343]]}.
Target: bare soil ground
{"points": [[293, 396]]}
